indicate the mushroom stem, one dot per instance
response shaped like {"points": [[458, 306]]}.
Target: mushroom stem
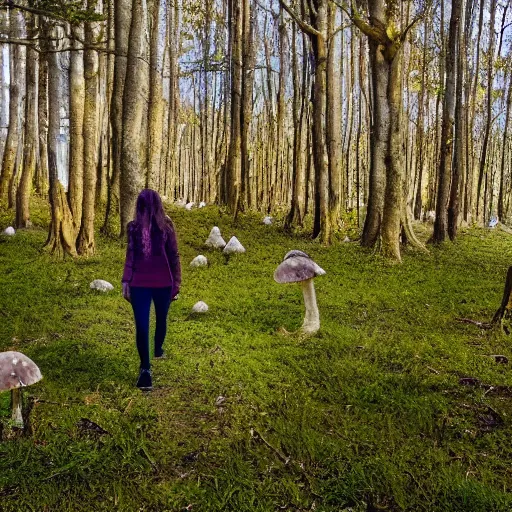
{"points": [[312, 318], [17, 417]]}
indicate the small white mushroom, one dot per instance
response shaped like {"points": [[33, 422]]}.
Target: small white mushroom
{"points": [[202, 204], [297, 267], [200, 307], [199, 261], [101, 285], [14, 376], [267, 221], [190, 205], [9, 231], [233, 246], [215, 239]]}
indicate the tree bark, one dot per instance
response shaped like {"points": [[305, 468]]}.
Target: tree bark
{"points": [[446, 142], [156, 110], [62, 234], [135, 99], [76, 126], [30, 145], [86, 244], [16, 102], [122, 20]]}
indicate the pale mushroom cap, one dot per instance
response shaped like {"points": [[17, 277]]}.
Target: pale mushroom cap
{"points": [[200, 307], [17, 371], [199, 261], [9, 231], [295, 252], [101, 285], [215, 239], [233, 246], [297, 268]]}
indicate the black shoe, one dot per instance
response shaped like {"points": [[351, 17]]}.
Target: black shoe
{"points": [[144, 381]]}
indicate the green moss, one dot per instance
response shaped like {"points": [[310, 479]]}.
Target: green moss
{"points": [[369, 412]]}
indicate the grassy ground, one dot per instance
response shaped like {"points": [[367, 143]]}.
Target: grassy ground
{"points": [[367, 415]]}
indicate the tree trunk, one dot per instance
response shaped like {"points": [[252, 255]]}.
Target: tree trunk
{"points": [[16, 99], [458, 159], [490, 61], [501, 207], [134, 103], [122, 20], [249, 60], [42, 172], [333, 123], [30, 145], [446, 142], [76, 126], [156, 110], [62, 234], [233, 162], [86, 245]]}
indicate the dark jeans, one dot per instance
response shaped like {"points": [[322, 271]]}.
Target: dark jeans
{"points": [[141, 303]]}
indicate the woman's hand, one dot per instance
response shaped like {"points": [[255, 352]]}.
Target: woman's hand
{"points": [[126, 292]]}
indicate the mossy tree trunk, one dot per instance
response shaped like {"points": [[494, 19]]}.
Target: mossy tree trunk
{"points": [[86, 244], [62, 233]]}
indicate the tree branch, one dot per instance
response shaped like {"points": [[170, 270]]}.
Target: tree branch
{"points": [[374, 33], [302, 24]]}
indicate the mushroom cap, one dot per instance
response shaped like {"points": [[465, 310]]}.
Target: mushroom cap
{"points": [[233, 246], [295, 252], [215, 239], [17, 371], [296, 268], [101, 285], [9, 231], [199, 261], [200, 307]]}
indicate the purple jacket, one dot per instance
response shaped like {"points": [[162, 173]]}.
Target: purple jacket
{"points": [[157, 271]]}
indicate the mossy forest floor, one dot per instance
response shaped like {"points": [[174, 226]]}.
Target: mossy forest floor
{"points": [[368, 415]]}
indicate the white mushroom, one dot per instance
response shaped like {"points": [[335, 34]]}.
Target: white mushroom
{"points": [[16, 372], [267, 221], [190, 205], [233, 246], [215, 239], [199, 261], [9, 231], [200, 307], [101, 285], [202, 204], [297, 267]]}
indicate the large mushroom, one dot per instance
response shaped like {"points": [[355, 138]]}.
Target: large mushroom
{"points": [[16, 372], [298, 267]]}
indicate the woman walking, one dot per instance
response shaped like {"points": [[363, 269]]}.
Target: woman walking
{"points": [[152, 273]]}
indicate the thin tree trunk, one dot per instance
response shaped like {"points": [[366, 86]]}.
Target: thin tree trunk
{"points": [[86, 244], [446, 143], [16, 102], [490, 61], [30, 145]]}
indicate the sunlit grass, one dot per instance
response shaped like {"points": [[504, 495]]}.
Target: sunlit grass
{"points": [[368, 414]]}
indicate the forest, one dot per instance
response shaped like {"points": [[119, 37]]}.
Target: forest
{"points": [[371, 136], [386, 111]]}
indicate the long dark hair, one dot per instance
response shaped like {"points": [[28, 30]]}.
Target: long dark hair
{"points": [[151, 226]]}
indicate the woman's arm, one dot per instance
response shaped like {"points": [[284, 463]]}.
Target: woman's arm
{"points": [[128, 264], [173, 256]]}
